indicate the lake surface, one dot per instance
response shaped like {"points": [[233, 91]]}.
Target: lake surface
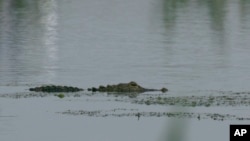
{"points": [[192, 47]]}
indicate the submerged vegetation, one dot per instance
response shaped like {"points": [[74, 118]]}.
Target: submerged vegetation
{"points": [[194, 101], [225, 99], [221, 99], [135, 113]]}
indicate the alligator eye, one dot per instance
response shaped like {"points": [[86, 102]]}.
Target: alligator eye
{"points": [[132, 83], [164, 90]]}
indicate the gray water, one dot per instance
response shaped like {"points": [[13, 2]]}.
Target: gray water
{"points": [[192, 47]]}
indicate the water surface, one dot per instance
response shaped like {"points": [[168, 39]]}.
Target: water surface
{"points": [[197, 47]]}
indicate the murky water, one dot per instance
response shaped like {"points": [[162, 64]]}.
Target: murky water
{"points": [[193, 47]]}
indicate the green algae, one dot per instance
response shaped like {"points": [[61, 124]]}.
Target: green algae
{"points": [[61, 95]]}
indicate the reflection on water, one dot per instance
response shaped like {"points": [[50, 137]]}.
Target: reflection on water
{"points": [[192, 47], [49, 19], [206, 42], [179, 43], [28, 40]]}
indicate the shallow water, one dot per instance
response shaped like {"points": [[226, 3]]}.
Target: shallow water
{"points": [[194, 48]]}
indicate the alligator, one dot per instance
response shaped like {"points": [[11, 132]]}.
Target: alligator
{"points": [[121, 87], [125, 87], [55, 88]]}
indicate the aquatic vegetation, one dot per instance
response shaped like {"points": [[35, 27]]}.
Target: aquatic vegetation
{"points": [[153, 99], [137, 114], [194, 101], [147, 102], [61, 95]]}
